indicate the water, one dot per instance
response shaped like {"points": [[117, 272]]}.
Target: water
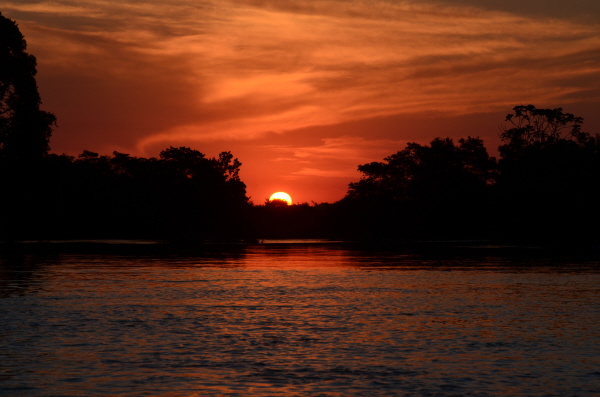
{"points": [[308, 319]]}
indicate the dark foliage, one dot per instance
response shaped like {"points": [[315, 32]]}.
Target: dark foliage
{"points": [[25, 130], [549, 183], [545, 187], [182, 195], [278, 220], [424, 190]]}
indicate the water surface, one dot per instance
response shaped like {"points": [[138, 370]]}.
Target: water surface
{"points": [[299, 319]]}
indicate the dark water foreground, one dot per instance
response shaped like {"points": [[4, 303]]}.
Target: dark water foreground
{"points": [[300, 319]]}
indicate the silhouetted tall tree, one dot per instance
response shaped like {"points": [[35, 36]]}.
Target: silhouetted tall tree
{"points": [[24, 134], [25, 130]]}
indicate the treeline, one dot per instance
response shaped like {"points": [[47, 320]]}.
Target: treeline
{"points": [[179, 195], [182, 196], [545, 186]]}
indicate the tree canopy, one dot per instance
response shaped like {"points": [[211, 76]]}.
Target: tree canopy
{"points": [[549, 173], [25, 130], [418, 172], [182, 194], [545, 185], [423, 188]]}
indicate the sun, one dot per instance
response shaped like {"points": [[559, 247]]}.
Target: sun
{"points": [[281, 196]]}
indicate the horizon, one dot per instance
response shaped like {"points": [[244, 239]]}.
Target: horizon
{"points": [[303, 93]]}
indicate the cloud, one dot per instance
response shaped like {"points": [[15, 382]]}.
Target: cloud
{"points": [[347, 148], [580, 9], [236, 70], [333, 157], [325, 173]]}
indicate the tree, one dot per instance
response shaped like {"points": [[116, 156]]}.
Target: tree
{"points": [[186, 161], [549, 172], [229, 166], [426, 189], [545, 147], [423, 172], [25, 130], [528, 127]]}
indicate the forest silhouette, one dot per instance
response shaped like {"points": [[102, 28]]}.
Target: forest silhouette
{"points": [[544, 186]]}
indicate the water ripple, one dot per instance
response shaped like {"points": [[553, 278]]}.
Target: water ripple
{"points": [[295, 322]]}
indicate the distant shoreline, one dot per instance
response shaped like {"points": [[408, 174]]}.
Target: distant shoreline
{"points": [[454, 247]]}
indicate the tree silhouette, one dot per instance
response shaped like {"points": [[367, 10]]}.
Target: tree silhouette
{"points": [[25, 130], [528, 127], [549, 171], [180, 196], [276, 203], [419, 170], [441, 187]]}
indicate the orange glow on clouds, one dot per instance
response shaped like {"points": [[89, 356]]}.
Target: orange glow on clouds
{"points": [[302, 92]]}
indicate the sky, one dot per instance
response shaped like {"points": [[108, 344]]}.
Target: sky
{"points": [[302, 92]]}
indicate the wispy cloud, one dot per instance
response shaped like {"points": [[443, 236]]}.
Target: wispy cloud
{"points": [[334, 157], [348, 148], [249, 67], [324, 173]]}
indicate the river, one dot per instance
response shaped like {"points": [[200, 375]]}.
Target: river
{"points": [[300, 320]]}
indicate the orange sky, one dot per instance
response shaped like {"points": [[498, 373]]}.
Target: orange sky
{"points": [[304, 91]]}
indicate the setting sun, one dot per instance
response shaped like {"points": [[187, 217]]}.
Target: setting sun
{"points": [[281, 196]]}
